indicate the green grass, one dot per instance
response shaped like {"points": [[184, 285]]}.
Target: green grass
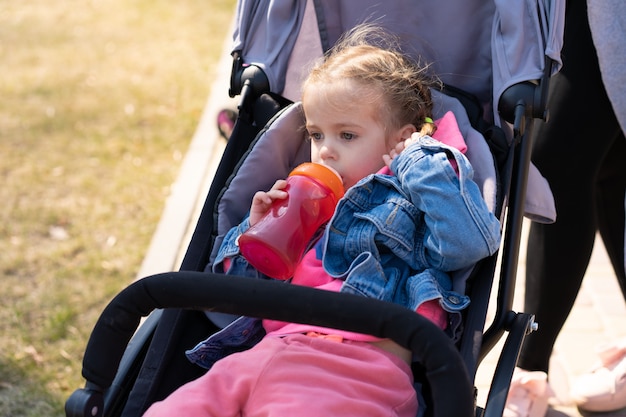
{"points": [[99, 102]]}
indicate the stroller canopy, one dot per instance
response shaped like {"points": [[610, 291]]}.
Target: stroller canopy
{"points": [[502, 43]]}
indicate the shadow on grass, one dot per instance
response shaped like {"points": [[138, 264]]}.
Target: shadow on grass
{"points": [[21, 395]]}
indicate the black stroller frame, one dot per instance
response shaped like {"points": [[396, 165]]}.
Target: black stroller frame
{"points": [[127, 366]]}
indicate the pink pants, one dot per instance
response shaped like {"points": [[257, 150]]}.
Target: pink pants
{"points": [[301, 376]]}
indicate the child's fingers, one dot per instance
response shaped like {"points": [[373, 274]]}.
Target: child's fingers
{"points": [[412, 139], [277, 195], [394, 152], [388, 159], [400, 147], [266, 197], [277, 191], [261, 203], [279, 185], [261, 198]]}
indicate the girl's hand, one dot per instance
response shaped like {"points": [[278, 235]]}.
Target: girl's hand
{"points": [[262, 201], [400, 146]]}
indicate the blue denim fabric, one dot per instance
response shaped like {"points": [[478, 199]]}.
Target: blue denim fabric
{"points": [[394, 238], [244, 332], [230, 250], [240, 335]]}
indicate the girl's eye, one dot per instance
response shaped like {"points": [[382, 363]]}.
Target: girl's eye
{"points": [[315, 136], [348, 136]]}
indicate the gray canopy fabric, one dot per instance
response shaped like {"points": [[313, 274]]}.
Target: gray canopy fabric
{"points": [[607, 21], [524, 34], [479, 46], [265, 33]]}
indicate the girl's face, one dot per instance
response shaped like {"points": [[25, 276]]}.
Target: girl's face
{"points": [[348, 135]]}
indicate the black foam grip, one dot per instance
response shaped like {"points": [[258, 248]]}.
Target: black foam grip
{"points": [[452, 391]]}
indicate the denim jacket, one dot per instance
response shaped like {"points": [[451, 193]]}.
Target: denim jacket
{"points": [[392, 233], [392, 237]]}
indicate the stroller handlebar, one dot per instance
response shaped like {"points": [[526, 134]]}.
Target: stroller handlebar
{"points": [[444, 367]]}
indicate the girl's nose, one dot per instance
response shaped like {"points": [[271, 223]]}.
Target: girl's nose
{"points": [[325, 152]]}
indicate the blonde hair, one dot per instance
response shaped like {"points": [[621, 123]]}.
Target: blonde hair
{"points": [[371, 58]]}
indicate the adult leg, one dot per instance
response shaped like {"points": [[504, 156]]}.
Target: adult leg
{"points": [[610, 192], [569, 151], [601, 388]]}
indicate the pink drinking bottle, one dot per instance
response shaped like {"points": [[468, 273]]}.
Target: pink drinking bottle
{"points": [[276, 243]]}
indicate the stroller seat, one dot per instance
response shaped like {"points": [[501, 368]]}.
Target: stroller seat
{"points": [[495, 96]]}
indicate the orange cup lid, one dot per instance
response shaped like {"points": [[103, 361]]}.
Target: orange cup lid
{"points": [[325, 174]]}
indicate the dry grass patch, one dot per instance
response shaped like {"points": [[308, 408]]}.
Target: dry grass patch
{"points": [[99, 102]]}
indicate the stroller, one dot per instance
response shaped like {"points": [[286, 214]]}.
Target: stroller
{"points": [[496, 80]]}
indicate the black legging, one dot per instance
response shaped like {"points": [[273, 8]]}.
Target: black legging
{"points": [[581, 152]]}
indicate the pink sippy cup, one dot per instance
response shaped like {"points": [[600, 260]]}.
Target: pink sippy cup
{"points": [[276, 243]]}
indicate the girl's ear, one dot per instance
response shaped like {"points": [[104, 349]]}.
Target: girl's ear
{"points": [[406, 131], [401, 135]]}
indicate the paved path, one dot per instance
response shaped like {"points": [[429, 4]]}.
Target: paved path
{"points": [[599, 314]]}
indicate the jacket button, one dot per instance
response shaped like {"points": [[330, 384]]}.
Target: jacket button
{"points": [[454, 299]]}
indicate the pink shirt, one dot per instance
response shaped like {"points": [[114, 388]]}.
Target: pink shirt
{"points": [[310, 273]]}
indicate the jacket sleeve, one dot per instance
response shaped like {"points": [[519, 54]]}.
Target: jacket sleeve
{"points": [[460, 228], [229, 259]]}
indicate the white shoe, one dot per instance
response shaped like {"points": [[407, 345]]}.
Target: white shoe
{"points": [[528, 395], [604, 387]]}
